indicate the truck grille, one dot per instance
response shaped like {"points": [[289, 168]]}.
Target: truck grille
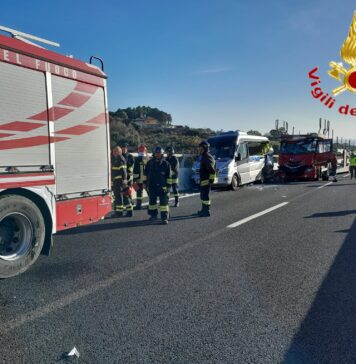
{"points": [[294, 164]]}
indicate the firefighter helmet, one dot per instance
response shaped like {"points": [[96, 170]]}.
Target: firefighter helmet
{"points": [[204, 144], [170, 150], [142, 148], [158, 149]]}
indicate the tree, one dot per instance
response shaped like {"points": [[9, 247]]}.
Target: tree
{"points": [[276, 134], [129, 114]]}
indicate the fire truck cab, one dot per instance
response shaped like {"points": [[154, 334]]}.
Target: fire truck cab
{"points": [[305, 157], [54, 148]]}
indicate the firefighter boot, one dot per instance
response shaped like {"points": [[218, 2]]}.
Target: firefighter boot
{"points": [[164, 218], [138, 205], [129, 213], [118, 214], [205, 211], [176, 204]]}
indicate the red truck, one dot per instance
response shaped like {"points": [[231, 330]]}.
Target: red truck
{"points": [[305, 157], [54, 148]]}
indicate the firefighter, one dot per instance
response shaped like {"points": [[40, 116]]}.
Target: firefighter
{"points": [[353, 165], [207, 177], [138, 174], [174, 164], [128, 193], [158, 173], [119, 177], [334, 167], [129, 163]]}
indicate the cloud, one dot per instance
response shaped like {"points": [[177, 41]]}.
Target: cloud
{"points": [[212, 70]]}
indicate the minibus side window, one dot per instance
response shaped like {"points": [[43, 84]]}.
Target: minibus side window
{"points": [[243, 151]]}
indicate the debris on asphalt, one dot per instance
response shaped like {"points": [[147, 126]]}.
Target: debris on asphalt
{"points": [[73, 352]]}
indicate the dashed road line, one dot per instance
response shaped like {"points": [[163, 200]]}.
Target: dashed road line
{"points": [[326, 184], [255, 216]]}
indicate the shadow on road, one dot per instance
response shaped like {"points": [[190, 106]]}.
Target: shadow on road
{"points": [[118, 224], [327, 334], [121, 223], [332, 214], [184, 217]]}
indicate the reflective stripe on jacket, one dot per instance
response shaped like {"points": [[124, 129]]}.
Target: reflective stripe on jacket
{"points": [[118, 168], [139, 169]]}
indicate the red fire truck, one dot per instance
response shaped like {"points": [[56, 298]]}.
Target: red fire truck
{"points": [[305, 157], [54, 148]]}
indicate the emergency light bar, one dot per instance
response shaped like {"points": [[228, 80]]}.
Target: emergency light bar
{"points": [[25, 37]]}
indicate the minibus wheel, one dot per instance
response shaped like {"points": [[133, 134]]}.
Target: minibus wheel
{"points": [[235, 183]]}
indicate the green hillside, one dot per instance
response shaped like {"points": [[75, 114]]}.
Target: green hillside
{"points": [[128, 126]]}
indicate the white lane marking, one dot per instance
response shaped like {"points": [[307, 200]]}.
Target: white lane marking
{"points": [[180, 197], [347, 175], [187, 195], [255, 216], [327, 184]]}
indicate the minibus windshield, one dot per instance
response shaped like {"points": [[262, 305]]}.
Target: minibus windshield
{"points": [[223, 148]]}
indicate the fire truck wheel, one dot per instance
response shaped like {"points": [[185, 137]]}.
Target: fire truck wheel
{"points": [[22, 234]]}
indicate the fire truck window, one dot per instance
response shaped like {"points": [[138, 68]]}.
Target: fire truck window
{"points": [[321, 148], [324, 146], [327, 147], [299, 147]]}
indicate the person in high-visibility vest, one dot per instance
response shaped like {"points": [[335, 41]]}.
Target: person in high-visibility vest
{"points": [[130, 161], [174, 164], [158, 173], [128, 207], [119, 178], [207, 177], [353, 166], [139, 175]]}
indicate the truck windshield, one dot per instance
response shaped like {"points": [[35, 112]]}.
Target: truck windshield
{"points": [[299, 147], [223, 148]]}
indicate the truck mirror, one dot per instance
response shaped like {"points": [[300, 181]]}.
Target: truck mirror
{"points": [[238, 157]]}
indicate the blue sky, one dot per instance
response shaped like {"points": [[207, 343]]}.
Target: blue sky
{"points": [[224, 64]]}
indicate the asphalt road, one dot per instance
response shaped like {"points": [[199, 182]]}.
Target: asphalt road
{"points": [[269, 278]]}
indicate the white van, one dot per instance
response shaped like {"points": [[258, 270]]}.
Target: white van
{"points": [[239, 158]]}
